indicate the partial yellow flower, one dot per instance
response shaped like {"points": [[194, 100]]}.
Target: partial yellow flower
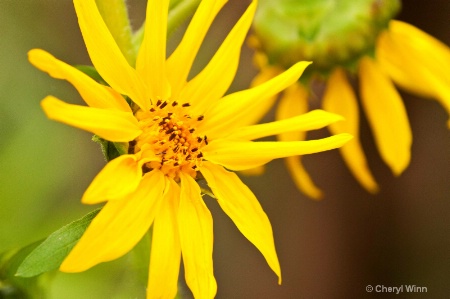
{"points": [[400, 54], [177, 132]]}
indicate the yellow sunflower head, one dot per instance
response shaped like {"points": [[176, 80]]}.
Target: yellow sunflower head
{"points": [[174, 132]]}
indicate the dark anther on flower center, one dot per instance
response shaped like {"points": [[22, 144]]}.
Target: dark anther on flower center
{"points": [[169, 141]]}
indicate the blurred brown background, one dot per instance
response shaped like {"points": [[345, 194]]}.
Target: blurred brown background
{"points": [[328, 249]]}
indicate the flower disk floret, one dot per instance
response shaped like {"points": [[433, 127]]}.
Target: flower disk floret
{"points": [[170, 138]]}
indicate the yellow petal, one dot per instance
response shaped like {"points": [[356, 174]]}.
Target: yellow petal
{"points": [[240, 155], [106, 55], [112, 125], [430, 57], [295, 102], [313, 120], [259, 170], [230, 112], [93, 93], [119, 177], [301, 178], [261, 110], [431, 51], [392, 60], [196, 238], [416, 61], [166, 251], [241, 205], [214, 80], [339, 98], [387, 116], [118, 227], [180, 62], [151, 60]]}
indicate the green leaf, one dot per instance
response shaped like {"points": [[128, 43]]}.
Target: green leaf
{"points": [[121, 147], [50, 254], [111, 150]]}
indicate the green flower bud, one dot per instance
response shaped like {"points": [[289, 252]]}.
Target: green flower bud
{"points": [[327, 32]]}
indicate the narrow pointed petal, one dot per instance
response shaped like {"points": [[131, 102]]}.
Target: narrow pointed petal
{"points": [[261, 110], [301, 178], [230, 112], [339, 98], [312, 120], [259, 170], [108, 185], [240, 155], [387, 116], [93, 93], [295, 102], [196, 238], [166, 251], [180, 62], [241, 205], [116, 126], [151, 60], [118, 227], [221, 70], [106, 55]]}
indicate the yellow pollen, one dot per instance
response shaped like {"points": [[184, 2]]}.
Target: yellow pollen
{"points": [[169, 134]]}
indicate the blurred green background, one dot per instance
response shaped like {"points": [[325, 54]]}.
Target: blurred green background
{"points": [[327, 249]]}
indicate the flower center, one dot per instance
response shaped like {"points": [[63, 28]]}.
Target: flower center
{"points": [[169, 134]]}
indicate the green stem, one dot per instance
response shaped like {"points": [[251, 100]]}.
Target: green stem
{"points": [[115, 15], [174, 3]]}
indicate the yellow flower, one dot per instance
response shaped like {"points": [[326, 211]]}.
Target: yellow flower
{"points": [[407, 57], [401, 55], [177, 132]]}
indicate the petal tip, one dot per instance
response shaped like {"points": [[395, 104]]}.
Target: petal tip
{"points": [[345, 137], [399, 168], [69, 267], [33, 52], [373, 189]]}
